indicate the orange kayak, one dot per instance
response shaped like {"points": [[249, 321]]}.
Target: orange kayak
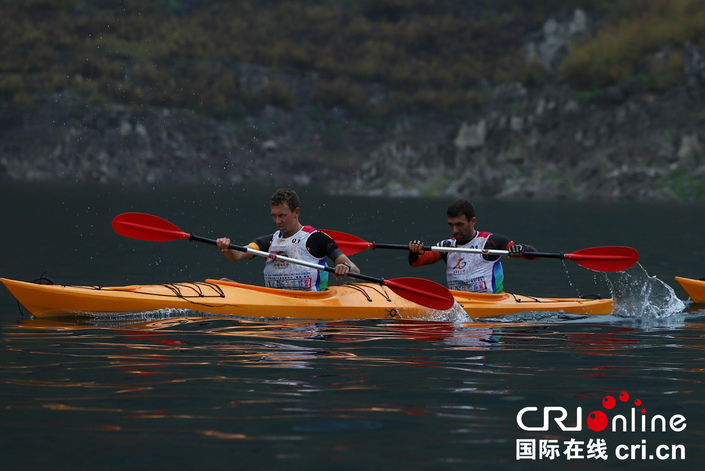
{"points": [[693, 288], [348, 301]]}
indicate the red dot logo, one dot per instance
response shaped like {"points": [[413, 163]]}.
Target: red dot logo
{"points": [[597, 421], [638, 403]]}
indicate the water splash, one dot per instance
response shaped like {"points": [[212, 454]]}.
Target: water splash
{"points": [[455, 313], [639, 295]]}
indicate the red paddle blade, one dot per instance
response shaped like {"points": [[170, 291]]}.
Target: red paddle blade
{"points": [[348, 243], [147, 227], [424, 292], [605, 259]]}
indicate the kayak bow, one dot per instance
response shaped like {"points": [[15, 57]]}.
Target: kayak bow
{"points": [[695, 289]]}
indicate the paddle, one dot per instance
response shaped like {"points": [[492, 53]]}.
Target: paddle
{"points": [[147, 227], [602, 259]]}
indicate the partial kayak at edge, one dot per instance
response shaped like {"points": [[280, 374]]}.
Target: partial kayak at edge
{"points": [[693, 288]]}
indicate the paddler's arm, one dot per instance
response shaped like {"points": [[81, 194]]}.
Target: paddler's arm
{"points": [[419, 257], [223, 244], [343, 266], [321, 245], [516, 250]]}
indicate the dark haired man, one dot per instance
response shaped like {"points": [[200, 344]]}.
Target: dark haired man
{"points": [[480, 273], [293, 240]]}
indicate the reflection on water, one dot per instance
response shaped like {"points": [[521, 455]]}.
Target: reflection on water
{"points": [[161, 325], [289, 390]]}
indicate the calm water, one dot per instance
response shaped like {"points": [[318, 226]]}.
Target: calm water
{"points": [[218, 393]]}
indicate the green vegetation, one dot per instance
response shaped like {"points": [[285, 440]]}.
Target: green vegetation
{"points": [[685, 185], [635, 42], [430, 55]]}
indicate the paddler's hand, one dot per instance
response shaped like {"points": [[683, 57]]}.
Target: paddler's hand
{"points": [[516, 250], [223, 244], [342, 270], [416, 246]]}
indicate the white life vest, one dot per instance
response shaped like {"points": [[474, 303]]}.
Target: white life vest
{"points": [[471, 272], [285, 275]]}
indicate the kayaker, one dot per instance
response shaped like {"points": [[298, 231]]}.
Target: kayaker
{"points": [[480, 273], [293, 240]]}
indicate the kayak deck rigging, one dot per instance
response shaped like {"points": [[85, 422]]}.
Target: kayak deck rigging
{"points": [[176, 288], [200, 289]]}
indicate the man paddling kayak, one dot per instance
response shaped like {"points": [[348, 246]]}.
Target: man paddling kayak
{"points": [[480, 273], [293, 240]]}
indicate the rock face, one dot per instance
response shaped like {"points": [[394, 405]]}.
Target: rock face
{"points": [[552, 43], [64, 139], [544, 142], [554, 145], [552, 142]]}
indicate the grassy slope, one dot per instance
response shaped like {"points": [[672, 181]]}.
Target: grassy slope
{"points": [[429, 55]]}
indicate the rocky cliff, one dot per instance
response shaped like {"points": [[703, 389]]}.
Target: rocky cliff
{"points": [[550, 142]]}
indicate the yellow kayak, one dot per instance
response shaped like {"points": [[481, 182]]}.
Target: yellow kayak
{"points": [[349, 301], [693, 288]]}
